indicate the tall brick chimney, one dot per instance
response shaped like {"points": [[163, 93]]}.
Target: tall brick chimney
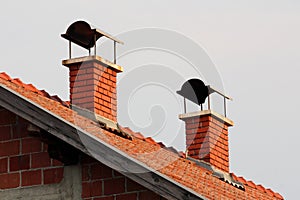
{"points": [[206, 130], [92, 78], [93, 85], [207, 137]]}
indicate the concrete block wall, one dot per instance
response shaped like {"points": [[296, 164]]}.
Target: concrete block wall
{"points": [[100, 182]]}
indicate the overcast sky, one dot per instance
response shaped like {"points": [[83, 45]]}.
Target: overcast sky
{"points": [[253, 45]]}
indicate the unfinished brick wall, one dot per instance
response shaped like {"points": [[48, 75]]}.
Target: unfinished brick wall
{"points": [[100, 182], [24, 160]]}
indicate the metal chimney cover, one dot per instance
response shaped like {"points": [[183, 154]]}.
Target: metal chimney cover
{"points": [[194, 90], [81, 33]]}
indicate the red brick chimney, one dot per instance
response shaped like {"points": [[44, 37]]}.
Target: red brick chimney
{"points": [[207, 137], [93, 85]]}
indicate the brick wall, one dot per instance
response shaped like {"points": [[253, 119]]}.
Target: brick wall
{"points": [[24, 160], [100, 182]]}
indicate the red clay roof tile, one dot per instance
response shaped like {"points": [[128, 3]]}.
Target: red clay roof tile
{"points": [[4, 76], [181, 154], [242, 180], [233, 176], [150, 140], [45, 94], [161, 144], [270, 192], [31, 88], [251, 184], [261, 188], [278, 195], [17, 81]]}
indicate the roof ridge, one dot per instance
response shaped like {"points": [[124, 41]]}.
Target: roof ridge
{"points": [[140, 136], [259, 187], [32, 88]]}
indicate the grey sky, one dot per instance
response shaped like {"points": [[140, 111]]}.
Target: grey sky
{"points": [[254, 45]]}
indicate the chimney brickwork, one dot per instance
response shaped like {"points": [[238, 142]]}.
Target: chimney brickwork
{"points": [[93, 85], [207, 137]]}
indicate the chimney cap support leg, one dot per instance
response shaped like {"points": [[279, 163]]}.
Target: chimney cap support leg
{"points": [[115, 52], [225, 106], [208, 102], [95, 46], [70, 50], [184, 104]]}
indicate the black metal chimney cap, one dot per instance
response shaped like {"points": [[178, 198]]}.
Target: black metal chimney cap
{"points": [[194, 90], [81, 33]]}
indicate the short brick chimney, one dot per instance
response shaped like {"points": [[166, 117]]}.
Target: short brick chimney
{"points": [[92, 78], [207, 137], [93, 85]]}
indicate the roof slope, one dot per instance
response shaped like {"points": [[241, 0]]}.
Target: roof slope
{"points": [[145, 151]]}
